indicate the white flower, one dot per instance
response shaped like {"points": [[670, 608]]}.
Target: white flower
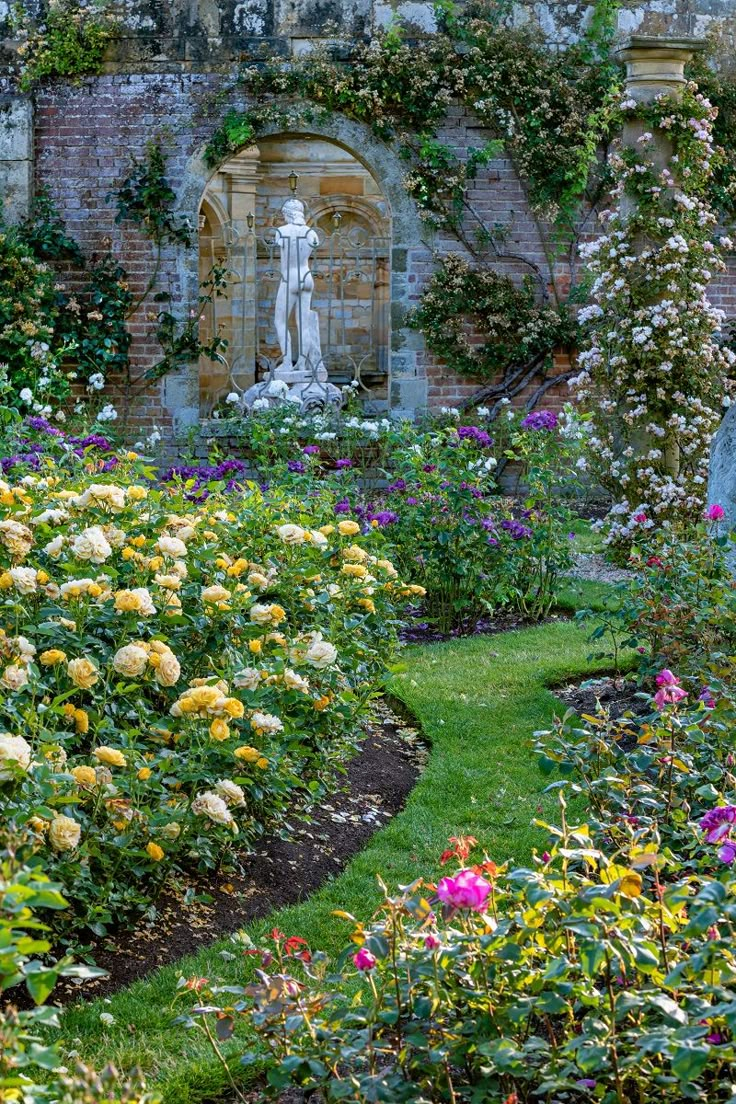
{"points": [[24, 579], [293, 681], [230, 792], [291, 534], [233, 398], [172, 547], [107, 1019], [130, 660], [265, 722], [92, 545], [247, 679], [211, 805], [26, 395], [321, 654], [16, 751], [96, 382], [107, 414]]}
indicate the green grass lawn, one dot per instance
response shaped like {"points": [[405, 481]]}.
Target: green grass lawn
{"points": [[478, 700]]}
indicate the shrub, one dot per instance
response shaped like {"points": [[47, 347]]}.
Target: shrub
{"points": [[174, 674]]}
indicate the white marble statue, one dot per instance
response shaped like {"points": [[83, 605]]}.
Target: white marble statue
{"points": [[296, 242]]}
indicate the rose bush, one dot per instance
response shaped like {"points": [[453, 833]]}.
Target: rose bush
{"points": [[603, 971], [175, 675]]}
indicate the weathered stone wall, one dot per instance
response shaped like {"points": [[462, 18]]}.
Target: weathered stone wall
{"points": [[163, 77]]}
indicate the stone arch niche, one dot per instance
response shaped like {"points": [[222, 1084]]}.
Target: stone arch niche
{"points": [[256, 182], [240, 209]]}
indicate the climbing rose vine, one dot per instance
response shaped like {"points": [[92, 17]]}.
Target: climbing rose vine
{"points": [[653, 372]]}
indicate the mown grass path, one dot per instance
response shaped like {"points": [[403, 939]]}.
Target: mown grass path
{"points": [[478, 701]]}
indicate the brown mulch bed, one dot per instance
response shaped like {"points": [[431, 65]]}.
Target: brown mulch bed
{"points": [[616, 694], [418, 631], [279, 872]]}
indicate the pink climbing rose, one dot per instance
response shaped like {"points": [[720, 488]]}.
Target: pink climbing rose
{"points": [[466, 890], [715, 512]]}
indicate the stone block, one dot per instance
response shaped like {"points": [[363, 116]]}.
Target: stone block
{"points": [[341, 185]]}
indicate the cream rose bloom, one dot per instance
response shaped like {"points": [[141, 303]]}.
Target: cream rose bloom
{"points": [[55, 547], [247, 679], [24, 579], [215, 594], [265, 723], [130, 661], [258, 580], [146, 608], [291, 534], [92, 545], [64, 833], [82, 672], [294, 681], [102, 494], [230, 792], [14, 677], [321, 654], [17, 538], [173, 547], [13, 750], [168, 671], [318, 539], [211, 805]]}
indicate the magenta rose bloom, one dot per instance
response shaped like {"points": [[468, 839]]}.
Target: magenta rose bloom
{"points": [[364, 960], [715, 512], [466, 890], [431, 942]]}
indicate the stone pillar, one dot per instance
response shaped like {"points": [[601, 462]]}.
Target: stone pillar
{"points": [[654, 66], [241, 179], [16, 155]]}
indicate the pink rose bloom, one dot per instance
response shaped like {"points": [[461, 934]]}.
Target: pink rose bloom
{"points": [[715, 512], [364, 960], [641, 518], [466, 890], [431, 942], [668, 695], [666, 678]]}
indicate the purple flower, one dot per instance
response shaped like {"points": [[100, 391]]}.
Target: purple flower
{"points": [[44, 426], [344, 463], [296, 466], [429, 467], [310, 450], [397, 485], [515, 529], [411, 501], [473, 433], [540, 419], [342, 507], [717, 822], [384, 517]]}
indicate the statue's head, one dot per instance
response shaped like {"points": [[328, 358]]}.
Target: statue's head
{"points": [[293, 211]]}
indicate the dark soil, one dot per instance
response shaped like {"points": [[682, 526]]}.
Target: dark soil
{"points": [[617, 695], [279, 872], [419, 631]]}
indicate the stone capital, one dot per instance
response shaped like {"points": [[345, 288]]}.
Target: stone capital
{"points": [[656, 64]]}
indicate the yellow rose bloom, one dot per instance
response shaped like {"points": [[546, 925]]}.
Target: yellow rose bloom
{"points": [[135, 494], [238, 567], [85, 776], [325, 530], [94, 590], [234, 708], [247, 754], [127, 602], [6, 580], [367, 604], [348, 528], [110, 756], [51, 657], [81, 721], [155, 563], [155, 852], [219, 729], [355, 569], [138, 541], [262, 763], [255, 646], [144, 774], [127, 553], [82, 672], [42, 577]]}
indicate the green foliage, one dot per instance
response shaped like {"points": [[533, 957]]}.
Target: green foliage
{"points": [[70, 41], [145, 198], [482, 323]]}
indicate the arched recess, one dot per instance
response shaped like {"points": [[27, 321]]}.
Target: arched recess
{"points": [[405, 386]]}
